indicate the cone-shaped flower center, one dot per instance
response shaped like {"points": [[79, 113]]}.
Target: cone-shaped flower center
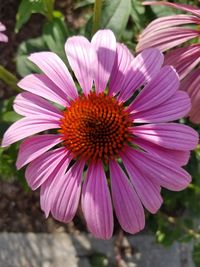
{"points": [[95, 127]]}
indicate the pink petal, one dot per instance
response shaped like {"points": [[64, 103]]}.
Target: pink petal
{"points": [[26, 127], [191, 84], [35, 146], [165, 174], [104, 43], [82, 59], [2, 27], [44, 166], [184, 7], [41, 85], [3, 37], [31, 105], [68, 189], [173, 108], [167, 38], [96, 202], [128, 208], [168, 22], [184, 59], [144, 67], [121, 66], [169, 135], [195, 112], [177, 156], [48, 189], [147, 190], [157, 91], [56, 71]]}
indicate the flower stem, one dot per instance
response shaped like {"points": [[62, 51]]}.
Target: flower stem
{"points": [[49, 6], [8, 78], [97, 15]]}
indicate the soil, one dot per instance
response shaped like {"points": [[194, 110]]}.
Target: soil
{"points": [[20, 212]]}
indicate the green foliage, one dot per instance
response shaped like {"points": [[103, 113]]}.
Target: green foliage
{"points": [[7, 115], [29, 7], [10, 117], [8, 78], [98, 260], [25, 66], [8, 169], [161, 11], [55, 33], [84, 3], [26, 8], [115, 15], [137, 14], [48, 8], [8, 156], [177, 218]]}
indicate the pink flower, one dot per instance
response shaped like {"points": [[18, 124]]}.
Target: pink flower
{"points": [[96, 131], [3, 37], [166, 33]]}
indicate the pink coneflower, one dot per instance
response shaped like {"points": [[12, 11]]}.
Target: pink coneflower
{"points": [[3, 37], [166, 33], [96, 133]]}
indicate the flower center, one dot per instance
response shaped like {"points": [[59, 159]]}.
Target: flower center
{"points": [[95, 127]]}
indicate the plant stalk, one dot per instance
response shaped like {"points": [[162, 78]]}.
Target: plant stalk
{"points": [[97, 15], [49, 7], [8, 78]]}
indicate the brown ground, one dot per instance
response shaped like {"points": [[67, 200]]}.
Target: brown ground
{"points": [[20, 212]]}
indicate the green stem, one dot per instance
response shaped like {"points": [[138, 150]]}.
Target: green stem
{"points": [[8, 78], [97, 15], [49, 7]]}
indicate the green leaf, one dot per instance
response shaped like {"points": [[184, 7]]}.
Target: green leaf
{"points": [[8, 171], [137, 14], [98, 260], [88, 28], [6, 118], [25, 66], [55, 34], [6, 105], [57, 14], [8, 78], [84, 3], [26, 8], [160, 236], [10, 117], [161, 11], [7, 162], [115, 15], [20, 177]]}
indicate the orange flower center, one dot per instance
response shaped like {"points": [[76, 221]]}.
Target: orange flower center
{"points": [[95, 127]]}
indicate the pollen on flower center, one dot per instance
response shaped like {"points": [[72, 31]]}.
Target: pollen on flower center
{"points": [[95, 127]]}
